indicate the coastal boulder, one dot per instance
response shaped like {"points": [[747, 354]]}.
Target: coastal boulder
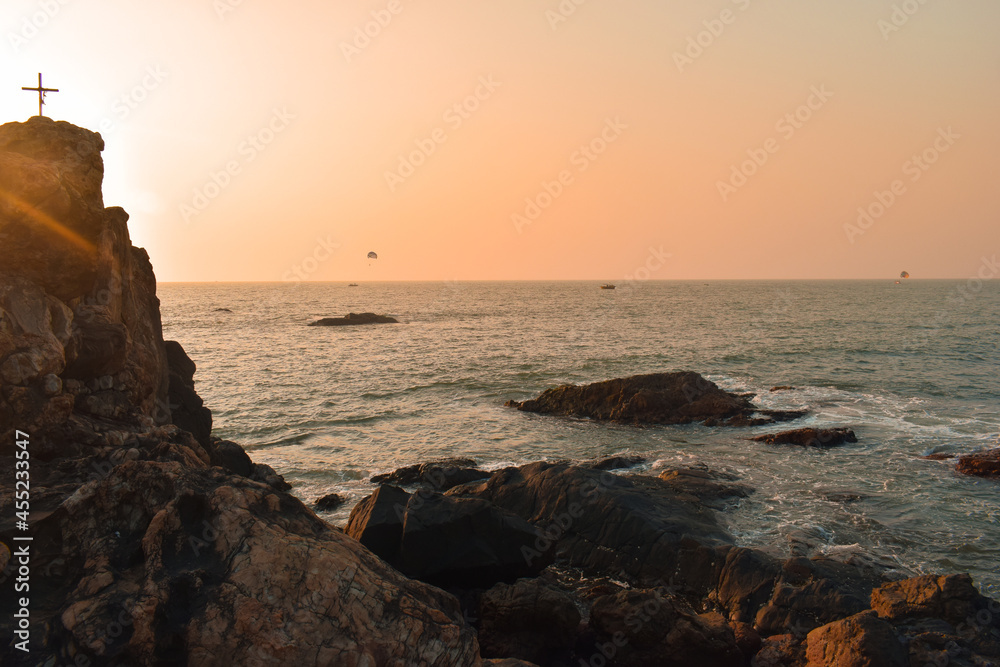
{"points": [[659, 398], [529, 620], [465, 542], [437, 475], [187, 409], [809, 437], [645, 627], [862, 640], [982, 464]]}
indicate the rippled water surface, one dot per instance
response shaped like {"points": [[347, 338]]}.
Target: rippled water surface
{"points": [[912, 368]]}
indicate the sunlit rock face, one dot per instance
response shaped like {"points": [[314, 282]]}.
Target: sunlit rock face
{"points": [[79, 318]]}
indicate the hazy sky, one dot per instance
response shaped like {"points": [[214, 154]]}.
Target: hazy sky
{"points": [[253, 140]]}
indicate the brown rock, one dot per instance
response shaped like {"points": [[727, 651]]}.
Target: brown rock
{"points": [[465, 542], [863, 640], [780, 651], [809, 437], [646, 627], [982, 464], [437, 475], [529, 620], [952, 598], [659, 398]]}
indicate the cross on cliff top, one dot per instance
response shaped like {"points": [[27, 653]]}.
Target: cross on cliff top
{"points": [[41, 90]]}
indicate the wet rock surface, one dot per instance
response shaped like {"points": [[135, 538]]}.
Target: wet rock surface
{"points": [[659, 398], [982, 464], [809, 437]]}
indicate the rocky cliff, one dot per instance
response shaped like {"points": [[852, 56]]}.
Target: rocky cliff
{"points": [[152, 542]]}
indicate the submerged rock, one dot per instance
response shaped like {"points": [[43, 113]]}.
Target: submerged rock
{"points": [[659, 398], [353, 319], [982, 464], [809, 437]]}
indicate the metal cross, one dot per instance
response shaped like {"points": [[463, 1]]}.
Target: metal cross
{"points": [[41, 90]]}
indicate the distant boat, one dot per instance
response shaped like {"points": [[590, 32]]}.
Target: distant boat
{"points": [[353, 285], [607, 286]]}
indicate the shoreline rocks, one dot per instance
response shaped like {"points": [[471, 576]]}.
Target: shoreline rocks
{"points": [[658, 398], [354, 319], [809, 437], [980, 464]]}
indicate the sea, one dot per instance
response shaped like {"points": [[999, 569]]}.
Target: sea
{"points": [[911, 367]]}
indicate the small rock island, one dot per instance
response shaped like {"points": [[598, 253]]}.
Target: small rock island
{"points": [[354, 319]]}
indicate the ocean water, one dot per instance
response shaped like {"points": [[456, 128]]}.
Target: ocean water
{"points": [[910, 367]]}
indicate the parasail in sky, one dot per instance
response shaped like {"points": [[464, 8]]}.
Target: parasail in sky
{"points": [[904, 274], [372, 255]]}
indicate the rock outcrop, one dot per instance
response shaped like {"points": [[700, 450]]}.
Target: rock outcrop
{"points": [[155, 543], [809, 437], [981, 464], [659, 398], [444, 540], [437, 475], [353, 319]]}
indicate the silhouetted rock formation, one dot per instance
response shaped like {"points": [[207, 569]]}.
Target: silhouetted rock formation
{"points": [[659, 398], [155, 544], [810, 437], [353, 319]]}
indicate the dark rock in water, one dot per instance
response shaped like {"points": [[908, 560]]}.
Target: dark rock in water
{"points": [[655, 629], [438, 475], [329, 502], [465, 542], [223, 310], [810, 437], [529, 620], [982, 464], [616, 462], [353, 319], [939, 456], [783, 387], [659, 398], [188, 410], [862, 639]]}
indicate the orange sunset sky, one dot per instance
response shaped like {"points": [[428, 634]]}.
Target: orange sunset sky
{"points": [[250, 139]]}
